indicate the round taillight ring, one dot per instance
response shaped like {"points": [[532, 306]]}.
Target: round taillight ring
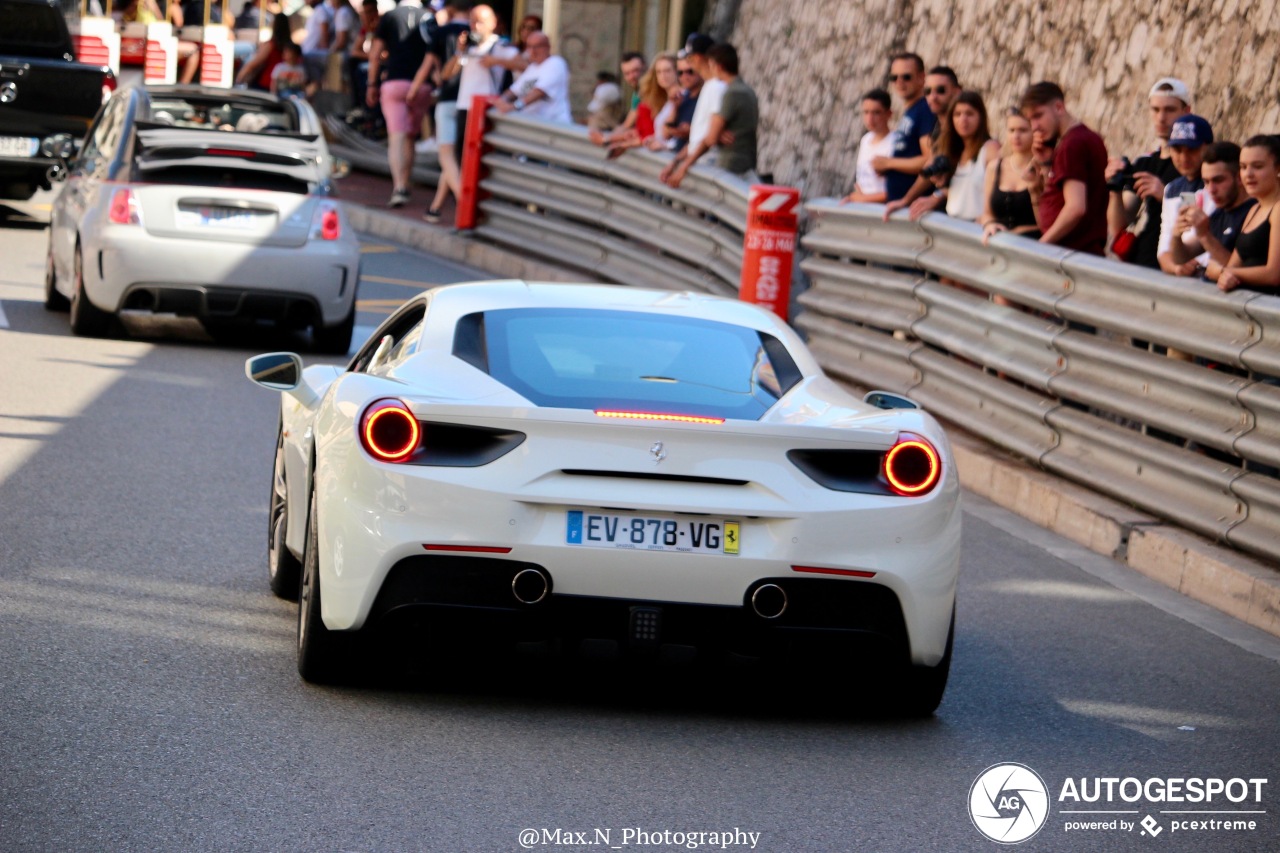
{"points": [[389, 431], [912, 466]]}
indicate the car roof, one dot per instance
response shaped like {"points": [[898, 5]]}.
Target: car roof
{"points": [[456, 300]]}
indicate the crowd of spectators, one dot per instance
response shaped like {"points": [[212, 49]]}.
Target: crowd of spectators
{"points": [[1193, 206]]}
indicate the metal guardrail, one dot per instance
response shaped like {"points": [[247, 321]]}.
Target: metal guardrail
{"points": [[1062, 376], [554, 194], [1051, 372]]}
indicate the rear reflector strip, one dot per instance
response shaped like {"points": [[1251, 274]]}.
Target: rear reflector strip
{"points": [[848, 573], [658, 416], [473, 549]]}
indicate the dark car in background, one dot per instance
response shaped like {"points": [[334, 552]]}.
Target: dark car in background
{"points": [[47, 99]]}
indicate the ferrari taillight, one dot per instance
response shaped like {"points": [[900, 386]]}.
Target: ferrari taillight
{"points": [[325, 224], [124, 208], [389, 431], [912, 466]]}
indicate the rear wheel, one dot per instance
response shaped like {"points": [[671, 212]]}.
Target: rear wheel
{"points": [[335, 340], [53, 300], [86, 318], [284, 570], [323, 655]]}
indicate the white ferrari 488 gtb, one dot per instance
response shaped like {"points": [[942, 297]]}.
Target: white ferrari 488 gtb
{"points": [[611, 471]]}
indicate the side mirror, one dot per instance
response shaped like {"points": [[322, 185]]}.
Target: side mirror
{"points": [[889, 400], [277, 371]]}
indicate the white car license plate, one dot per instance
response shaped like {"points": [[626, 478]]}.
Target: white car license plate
{"points": [[19, 146], [229, 218], [636, 532]]}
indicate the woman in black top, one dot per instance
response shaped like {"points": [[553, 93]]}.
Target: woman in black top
{"points": [[1009, 205], [1255, 263]]}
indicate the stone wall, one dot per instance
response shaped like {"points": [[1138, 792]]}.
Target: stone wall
{"points": [[809, 62]]}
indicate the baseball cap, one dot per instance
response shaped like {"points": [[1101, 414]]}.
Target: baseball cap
{"points": [[1171, 86], [1191, 131]]}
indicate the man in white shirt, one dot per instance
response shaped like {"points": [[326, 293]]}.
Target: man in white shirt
{"points": [[542, 90], [481, 65], [869, 185]]}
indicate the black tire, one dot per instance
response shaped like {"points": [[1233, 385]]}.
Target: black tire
{"points": [[53, 300], [917, 692], [335, 340], [284, 570], [324, 656], [87, 319]]}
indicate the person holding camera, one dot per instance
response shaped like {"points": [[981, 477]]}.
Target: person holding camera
{"points": [[1190, 136], [1137, 188]]}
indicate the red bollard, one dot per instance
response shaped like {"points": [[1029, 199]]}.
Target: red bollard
{"points": [[769, 247], [471, 169]]}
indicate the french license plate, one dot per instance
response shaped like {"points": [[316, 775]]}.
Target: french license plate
{"points": [[230, 218], [19, 146], [636, 532]]}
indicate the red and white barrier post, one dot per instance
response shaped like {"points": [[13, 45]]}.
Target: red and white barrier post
{"points": [[769, 247], [217, 56], [98, 43], [161, 62], [472, 170]]}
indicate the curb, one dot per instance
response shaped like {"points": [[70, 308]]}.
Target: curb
{"points": [[1238, 585]]}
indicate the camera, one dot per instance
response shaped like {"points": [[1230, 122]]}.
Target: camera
{"points": [[940, 165], [1122, 180], [473, 40]]}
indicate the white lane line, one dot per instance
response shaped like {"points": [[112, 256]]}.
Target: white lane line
{"points": [[4, 321]]}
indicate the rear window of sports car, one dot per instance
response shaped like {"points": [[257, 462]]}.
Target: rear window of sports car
{"points": [[628, 361]]}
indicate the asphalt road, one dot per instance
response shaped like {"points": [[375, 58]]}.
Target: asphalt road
{"points": [[149, 699]]}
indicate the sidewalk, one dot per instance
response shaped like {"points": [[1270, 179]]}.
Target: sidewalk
{"points": [[1234, 583]]}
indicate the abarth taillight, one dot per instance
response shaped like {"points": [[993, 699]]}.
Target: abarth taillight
{"points": [[124, 208]]}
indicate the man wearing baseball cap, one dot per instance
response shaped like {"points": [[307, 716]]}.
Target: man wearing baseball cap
{"points": [[1187, 140], [1137, 189]]}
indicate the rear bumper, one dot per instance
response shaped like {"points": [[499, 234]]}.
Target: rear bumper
{"points": [[472, 599], [134, 270]]}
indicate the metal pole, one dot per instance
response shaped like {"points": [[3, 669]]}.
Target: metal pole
{"points": [[551, 23], [675, 24]]}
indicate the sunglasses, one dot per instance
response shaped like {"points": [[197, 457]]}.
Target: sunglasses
{"points": [[684, 71], [894, 78], [937, 90]]}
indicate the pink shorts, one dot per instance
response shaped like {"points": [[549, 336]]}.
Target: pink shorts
{"points": [[403, 116]]}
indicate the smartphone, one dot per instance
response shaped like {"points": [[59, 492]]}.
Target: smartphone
{"points": [[1188, 200]]}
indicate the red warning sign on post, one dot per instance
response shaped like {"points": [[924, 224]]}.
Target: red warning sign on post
{"points": [[769, 247]]}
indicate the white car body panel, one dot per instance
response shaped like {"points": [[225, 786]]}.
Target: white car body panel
{"points": [[372, 514]]}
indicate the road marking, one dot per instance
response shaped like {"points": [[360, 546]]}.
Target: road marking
{"points": [[377, 250], [379, 306], [4, 321], [407, 282]]}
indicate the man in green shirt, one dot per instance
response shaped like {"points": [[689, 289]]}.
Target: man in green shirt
{"points": [[734, 125]]}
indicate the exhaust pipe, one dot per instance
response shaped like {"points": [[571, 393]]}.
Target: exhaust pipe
{"points": [[769, 601], [530, 586]]}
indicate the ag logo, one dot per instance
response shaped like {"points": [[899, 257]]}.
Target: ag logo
{"points": [[1008, 803]]}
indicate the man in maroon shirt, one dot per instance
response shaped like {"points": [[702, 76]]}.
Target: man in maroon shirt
{"points": [[1067, 177]]}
